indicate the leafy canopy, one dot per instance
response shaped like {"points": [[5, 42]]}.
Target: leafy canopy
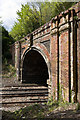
{"points": [[7, 40], [34, 14]]}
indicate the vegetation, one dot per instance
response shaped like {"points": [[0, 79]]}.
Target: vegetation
{"points": [[42, 111], [33, 15], [30, 17], [8, 70], [7, 40], [78, 106]]}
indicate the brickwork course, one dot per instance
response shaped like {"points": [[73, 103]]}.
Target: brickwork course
{"points": [[57, 44]]}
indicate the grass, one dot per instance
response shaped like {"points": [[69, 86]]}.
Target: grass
{"points": [[78, 106], [8, 70], [35, 111], [32, 111]]}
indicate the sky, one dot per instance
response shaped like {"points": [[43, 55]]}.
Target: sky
{"points": [[8, 10]]}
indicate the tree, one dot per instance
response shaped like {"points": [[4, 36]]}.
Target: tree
{"points": [[28, 20], [35, 14], [7, 40]]}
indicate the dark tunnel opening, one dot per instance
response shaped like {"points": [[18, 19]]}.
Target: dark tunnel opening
{"points": [[35, 70]]}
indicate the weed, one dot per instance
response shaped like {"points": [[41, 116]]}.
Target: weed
{"points": [[78, 106], [50, 102], [35, 111], [8, 71]]}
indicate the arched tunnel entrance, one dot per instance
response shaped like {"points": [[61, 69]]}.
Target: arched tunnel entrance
{"points": [[35, 70]]}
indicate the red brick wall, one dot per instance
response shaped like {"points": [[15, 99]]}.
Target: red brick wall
{"points": [[54, 62], [62, 52], [78, 53], [65, 65]]}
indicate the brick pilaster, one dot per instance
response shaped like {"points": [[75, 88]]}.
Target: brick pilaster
{"points": [[78, 52]]}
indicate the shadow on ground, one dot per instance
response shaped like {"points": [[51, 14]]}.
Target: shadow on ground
{"points": [[42, 112]]}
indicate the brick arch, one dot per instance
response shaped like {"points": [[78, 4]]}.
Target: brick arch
{"points": [[44, 53], [40, 48]]}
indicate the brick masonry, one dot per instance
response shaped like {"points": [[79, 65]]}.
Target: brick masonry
{"points": [[58, 41]]}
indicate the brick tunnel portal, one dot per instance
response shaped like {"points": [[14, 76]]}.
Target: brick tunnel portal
{"points": [[35, 70]]}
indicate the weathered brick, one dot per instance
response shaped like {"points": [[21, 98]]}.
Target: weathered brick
{"points": [[60, 56]]}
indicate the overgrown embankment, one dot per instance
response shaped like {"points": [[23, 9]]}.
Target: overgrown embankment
{"points": [[8, 73], [53, 111]]}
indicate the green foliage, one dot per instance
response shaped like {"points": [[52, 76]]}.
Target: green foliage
{"points": [[78, 106], [28, 20], [60, 94], [8, 70], [34, 14], [50, 102], [32, 111], [40, 112], [7, 40]]}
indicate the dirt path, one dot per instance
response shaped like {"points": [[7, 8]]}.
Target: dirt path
{"points": [[44, 112], [69, 112]]}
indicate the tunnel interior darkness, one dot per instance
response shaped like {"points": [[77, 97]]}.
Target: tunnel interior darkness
{"points": [[35, 69]]}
